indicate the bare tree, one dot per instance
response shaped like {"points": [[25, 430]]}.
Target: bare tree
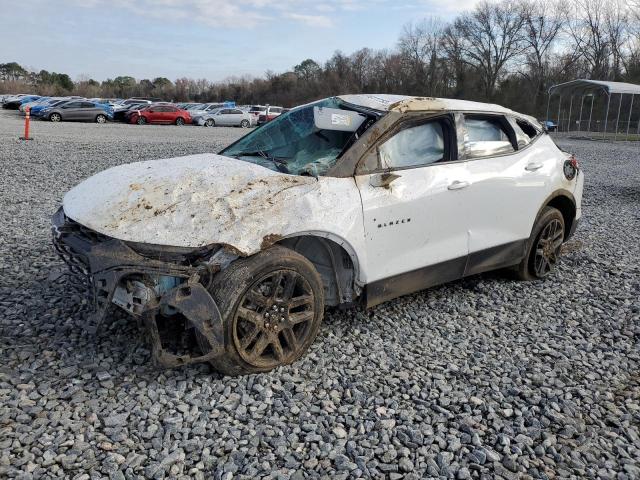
{"points": [[420, 45], [617, 24], [491, 36], [543, 21], [585, 24]]}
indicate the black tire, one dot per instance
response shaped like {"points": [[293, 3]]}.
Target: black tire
{"points": [[179, 121], [209, 122], [245, 291], [55, 117], [101, 119], [245, 124], [543, 247], [141, 120]]}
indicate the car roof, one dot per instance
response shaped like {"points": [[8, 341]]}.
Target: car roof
{"points": [[404, 103]]}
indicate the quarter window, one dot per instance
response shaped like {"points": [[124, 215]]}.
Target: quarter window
{"points": [[414, 147], [527, 128], [486, 136]]}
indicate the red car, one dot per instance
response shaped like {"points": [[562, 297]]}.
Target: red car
{"points": [[167, 114]]}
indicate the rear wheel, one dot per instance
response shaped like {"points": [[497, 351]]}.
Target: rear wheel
{"points": [[101, 119], [141, 121], [209, 123], [55, 117], [544, 246], [179, 121], [244, 123], [272, 305]]}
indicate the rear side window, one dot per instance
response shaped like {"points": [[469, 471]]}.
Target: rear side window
{"points": [[414, 147], [486, 136], [88, 105]]}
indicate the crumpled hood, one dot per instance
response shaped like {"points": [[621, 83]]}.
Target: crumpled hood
{"points": [[188, 201]]}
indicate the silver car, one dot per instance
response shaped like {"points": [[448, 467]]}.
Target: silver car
{"points": [[225, 117], [78, 110]]}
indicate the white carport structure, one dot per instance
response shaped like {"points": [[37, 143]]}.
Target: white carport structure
{"points": [[595, 106]]}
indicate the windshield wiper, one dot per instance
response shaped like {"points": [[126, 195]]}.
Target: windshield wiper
{"points": [[277, 161]]}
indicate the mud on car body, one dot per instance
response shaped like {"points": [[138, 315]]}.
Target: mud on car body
{"points": [[352, 199]]}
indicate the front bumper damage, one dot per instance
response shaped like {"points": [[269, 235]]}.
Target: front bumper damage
{"points": [[143, 284]]}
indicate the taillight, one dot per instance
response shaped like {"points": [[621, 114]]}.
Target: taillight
{"points": [[574, 161], [570, 167]]}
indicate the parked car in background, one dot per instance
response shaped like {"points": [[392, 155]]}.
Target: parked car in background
{"points": [[225, 117], [161, 113], [269, 114], [36, 110], [201, 109], [13, 103], [78, 110], [255, 111], [121, 113], [23, 106], [550, 126]]}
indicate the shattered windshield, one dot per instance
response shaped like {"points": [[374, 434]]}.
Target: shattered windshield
{"points": [[294, 144]]}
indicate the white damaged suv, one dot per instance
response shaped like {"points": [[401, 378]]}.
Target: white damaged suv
{"points": [[351, 199]]}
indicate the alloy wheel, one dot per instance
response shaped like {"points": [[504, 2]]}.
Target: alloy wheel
{"points": [[55, 117], [548, 248], [274, 319]]}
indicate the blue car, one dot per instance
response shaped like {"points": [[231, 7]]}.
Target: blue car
{"points": [[36, 110], [550, 126]]}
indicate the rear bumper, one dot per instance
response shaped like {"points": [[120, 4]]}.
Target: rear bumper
{"points": [[114, 273]]}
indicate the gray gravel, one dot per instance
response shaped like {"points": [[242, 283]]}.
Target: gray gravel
{"points": [[482, 378]]}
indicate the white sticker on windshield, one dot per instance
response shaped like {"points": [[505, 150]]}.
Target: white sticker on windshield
{"points": [[337, 119]]}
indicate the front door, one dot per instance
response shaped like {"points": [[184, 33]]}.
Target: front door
{"points": [[414, 212]]}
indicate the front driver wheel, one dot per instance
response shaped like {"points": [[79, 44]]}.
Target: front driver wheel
{"points": [[141, 121], [55, 117], [209, 123], [544, 246], [244, 123], [179, 121], [272, 306]]}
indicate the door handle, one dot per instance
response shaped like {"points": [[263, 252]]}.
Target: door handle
{"points": [[457, 185], [532, 167]]}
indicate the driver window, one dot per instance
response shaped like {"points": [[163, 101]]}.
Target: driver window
{"points": [[413, 147]]}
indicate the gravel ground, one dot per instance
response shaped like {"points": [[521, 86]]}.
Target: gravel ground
{"points": [[482, 378]]}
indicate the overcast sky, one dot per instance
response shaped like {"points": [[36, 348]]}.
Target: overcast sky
{"points": [[211, 39]]}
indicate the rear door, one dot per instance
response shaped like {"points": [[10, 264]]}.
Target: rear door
{"points": [[72, 111], [224, 117], [89, 111], [508, 184], [416, 224], [235, 117]]}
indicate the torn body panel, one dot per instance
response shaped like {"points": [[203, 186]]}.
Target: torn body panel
{"points": [[115, 273], [200, 200]]}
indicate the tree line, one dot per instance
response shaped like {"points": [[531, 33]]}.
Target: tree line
{"points": [[507, 51]]}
